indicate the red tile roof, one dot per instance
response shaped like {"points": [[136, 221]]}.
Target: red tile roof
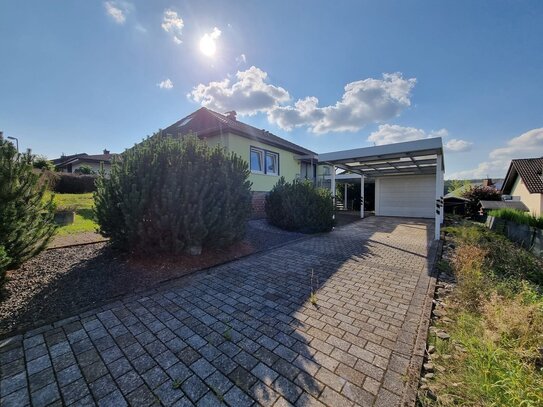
{"points": [[206, 123]]}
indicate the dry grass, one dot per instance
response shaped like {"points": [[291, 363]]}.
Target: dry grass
{"points": [[495, 354]]}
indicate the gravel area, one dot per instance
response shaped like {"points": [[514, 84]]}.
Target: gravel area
{"points": [[59, 283]]}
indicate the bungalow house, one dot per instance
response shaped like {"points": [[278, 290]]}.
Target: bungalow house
{"points": [[406, 178], [524, 182], [70, 163], [268, 155]]}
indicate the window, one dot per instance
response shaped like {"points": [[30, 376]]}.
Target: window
{"points": [[272, 167], [264, 162], [257, 164]]}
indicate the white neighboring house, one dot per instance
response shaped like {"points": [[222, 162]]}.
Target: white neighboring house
{"points": [[524, 182], [70, 163]]}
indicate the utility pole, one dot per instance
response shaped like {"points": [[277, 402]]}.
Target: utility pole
{"points": [[16, 141]]}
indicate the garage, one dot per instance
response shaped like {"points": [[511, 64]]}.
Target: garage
{"points": [[408, 177], [406, 196]]}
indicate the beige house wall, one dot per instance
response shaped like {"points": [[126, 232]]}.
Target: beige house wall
{"points": [[534, 202]]}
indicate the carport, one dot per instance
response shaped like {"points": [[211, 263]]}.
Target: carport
{"points": [[408, 177]]}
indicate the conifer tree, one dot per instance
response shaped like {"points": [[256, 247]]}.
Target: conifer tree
{"points": [[26, 219], [167, 195]]}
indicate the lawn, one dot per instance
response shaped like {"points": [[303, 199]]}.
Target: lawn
{"points": [[82, 203]]}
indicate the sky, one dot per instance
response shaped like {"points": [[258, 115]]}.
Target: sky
{"points": [[83, 76]]}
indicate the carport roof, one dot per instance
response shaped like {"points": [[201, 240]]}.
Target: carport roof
{"points": [[410, 157]]}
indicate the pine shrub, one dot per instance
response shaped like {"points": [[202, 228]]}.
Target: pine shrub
{"points": [[26, 218], [167, 195], [299, 206]]}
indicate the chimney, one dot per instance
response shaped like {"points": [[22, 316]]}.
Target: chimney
{"points": [[487, 182], [106, 151], [231, 114]]}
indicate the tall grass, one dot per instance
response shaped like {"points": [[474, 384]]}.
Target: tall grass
{"points": [[495, 354], [517, 216]]}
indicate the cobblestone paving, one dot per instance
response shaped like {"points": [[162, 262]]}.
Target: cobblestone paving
{"points": [[245, 333]]}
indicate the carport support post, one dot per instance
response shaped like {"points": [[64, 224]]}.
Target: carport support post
{"points": [[439, 197], [345, 196], [333, 187], [361, 197]]}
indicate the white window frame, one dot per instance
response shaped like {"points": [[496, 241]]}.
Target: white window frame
{"points": [[263, 153], [276, 157]]}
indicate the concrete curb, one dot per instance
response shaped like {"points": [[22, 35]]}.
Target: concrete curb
{"points": [[417, 357]]}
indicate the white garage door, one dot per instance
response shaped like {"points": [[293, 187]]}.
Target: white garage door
{"points": [[409, 196]]}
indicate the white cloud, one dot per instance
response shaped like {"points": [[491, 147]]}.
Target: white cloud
{"points": [[117, 10], [165, 84], [242, 59], [248, 94], [458, 146], [363, 102], [527, 145], [392, 133], [173, 24]]}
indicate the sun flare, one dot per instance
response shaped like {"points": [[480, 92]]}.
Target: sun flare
{"points": [[208, 46], [208, 43]]}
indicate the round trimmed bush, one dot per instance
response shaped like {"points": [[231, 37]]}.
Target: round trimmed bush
{"points": [[299, 206], [167, 195]]}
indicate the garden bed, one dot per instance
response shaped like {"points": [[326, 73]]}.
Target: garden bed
{"points": [[61, 282], [485, 342]]}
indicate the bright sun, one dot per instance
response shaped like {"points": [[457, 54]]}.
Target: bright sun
{"points": [[207, 45]]}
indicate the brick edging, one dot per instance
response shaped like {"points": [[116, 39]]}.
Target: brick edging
{"points": [[417, 356]]}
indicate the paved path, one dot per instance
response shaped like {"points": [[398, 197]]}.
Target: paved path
{"points": [[245, 333]]}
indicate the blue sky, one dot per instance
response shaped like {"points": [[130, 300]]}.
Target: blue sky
{"points": [[82, 76]]}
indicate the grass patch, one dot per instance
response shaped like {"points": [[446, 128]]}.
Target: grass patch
{"points": [[495, 354], [519, 217], [82, 204]]}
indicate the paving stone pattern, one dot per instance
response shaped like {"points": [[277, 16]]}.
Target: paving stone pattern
{"points": [[245, 333]]}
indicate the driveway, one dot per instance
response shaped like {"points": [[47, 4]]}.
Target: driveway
{"points": [[248, 332]]}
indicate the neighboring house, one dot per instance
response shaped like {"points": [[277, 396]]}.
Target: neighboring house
{"points": [[70, 163], [524, 182], [268, 155]]}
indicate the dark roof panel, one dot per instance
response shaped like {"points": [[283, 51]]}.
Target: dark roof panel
{"points": [[518, 205], [529, 170], [205, 123]]}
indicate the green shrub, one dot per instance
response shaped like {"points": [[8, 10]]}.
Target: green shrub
{"points": [[66, 183], [85, 169], [41, 162], [167, 195], [26, 220], [519, 217], [476, 194], [299, 206]]}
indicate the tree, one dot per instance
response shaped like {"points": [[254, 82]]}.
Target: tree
{"points": [[455, 184], [167, 195], [479, 193], [85, 169], [41, 162], [26, 219]]}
